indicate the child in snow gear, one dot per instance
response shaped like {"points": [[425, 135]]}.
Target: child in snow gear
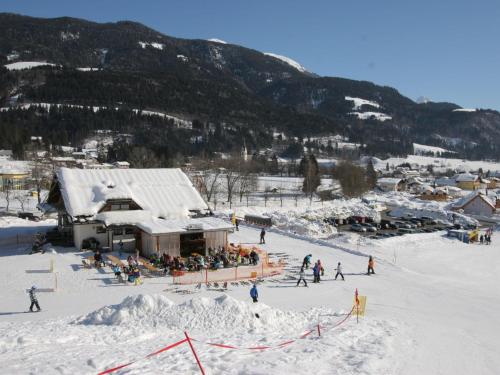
{"points": [[371, 264], [321, 269], [33, 299], [316, 272], [262, 235], [254, 293], [339, 271], [302, 275], [307, 261]]}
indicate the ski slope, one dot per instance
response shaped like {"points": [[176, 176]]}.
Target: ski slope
{"points": [[431, 308]]}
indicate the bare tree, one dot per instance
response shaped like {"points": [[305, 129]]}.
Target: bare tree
{"points": [[22, 198], [7, 190]]}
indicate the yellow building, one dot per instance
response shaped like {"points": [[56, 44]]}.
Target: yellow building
{"points": [[467, 181], [13, 179]]}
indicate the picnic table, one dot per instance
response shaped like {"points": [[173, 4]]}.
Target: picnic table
{"points": [[152, 269], [115, 260]]}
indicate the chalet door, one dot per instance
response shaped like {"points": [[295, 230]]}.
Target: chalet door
{"points": [[192, 243]]}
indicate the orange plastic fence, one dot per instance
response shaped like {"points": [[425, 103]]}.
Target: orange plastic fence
{"points": [[264, 268]]}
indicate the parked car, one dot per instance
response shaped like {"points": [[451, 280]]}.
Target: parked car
{"points": [[429, 220], [400, 224], [406, 231], [369, 227], [358, 228]]}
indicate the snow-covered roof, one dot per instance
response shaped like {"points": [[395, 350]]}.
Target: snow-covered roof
{"points": [[166, 193], [389, 181], [466, 177], [206, 224], [473, 195]]}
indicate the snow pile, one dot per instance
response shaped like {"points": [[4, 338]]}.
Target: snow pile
{"points": [[27, 65], [287, 60], [358, 102], [204, 314]]}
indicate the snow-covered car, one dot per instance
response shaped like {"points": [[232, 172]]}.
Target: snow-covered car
{"points": [[400, 224], [358, 228]]}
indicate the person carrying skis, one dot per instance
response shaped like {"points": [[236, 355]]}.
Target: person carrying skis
{"points": [[254, 293], [316, 272], [339, 271], [371, 264], [302, 275], [307, 261], [33, 299], [262, 235]]}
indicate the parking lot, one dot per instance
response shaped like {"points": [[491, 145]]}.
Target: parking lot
{"points": [[389, 226]]}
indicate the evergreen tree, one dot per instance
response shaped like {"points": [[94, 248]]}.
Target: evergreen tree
{"points": [[312, 178], [371, 175]]}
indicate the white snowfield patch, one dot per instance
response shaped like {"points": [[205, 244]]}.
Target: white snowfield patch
{"points": [[418, 149], [367, 115], [27, 65], [215, 40], [465, 110], [156, 45], [287, 60], [358, 102]]}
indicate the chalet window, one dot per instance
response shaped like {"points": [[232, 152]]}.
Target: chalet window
{"points": [[129, 230], [118, 232], [120, 207], [100, 229]]}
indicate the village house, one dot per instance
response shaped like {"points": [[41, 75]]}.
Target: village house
{"points": [[391, 184], [14, 179], [468, 181], [434, 194], [155, 211], [476, 203]]}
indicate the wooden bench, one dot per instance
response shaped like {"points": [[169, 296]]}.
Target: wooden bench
{"points": [[152, 269], [115, 260]]}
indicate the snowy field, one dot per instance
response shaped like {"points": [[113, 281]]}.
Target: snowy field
{"points": [[431, 308]]}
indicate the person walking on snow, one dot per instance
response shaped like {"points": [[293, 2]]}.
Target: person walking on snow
{"points": [[481, 239], [371, 264], [262, 235], [307, 261], [33, 299], [339, 271], [321, 269], [316, 272], [302, 276], [254, 293]]}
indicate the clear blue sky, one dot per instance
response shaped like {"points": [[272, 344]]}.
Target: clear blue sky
{"points": [[447, 50]]}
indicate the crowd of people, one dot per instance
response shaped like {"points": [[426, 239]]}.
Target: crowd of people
{"points": [[217, 258]]}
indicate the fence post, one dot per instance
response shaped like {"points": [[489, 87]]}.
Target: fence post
{"points": [[194, 353]]}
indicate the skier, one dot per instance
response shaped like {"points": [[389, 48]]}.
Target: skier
{"points": [[120, 247], [98, 259], [254, 293], [302, 275], [481, 239], [307, 261], [339, 271], [316, 272], [33, 299], [262, 235], [371, 264], [237, 224]]}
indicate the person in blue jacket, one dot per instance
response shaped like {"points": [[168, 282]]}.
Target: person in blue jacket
{"points": [[316, 272], [254, 293]]}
